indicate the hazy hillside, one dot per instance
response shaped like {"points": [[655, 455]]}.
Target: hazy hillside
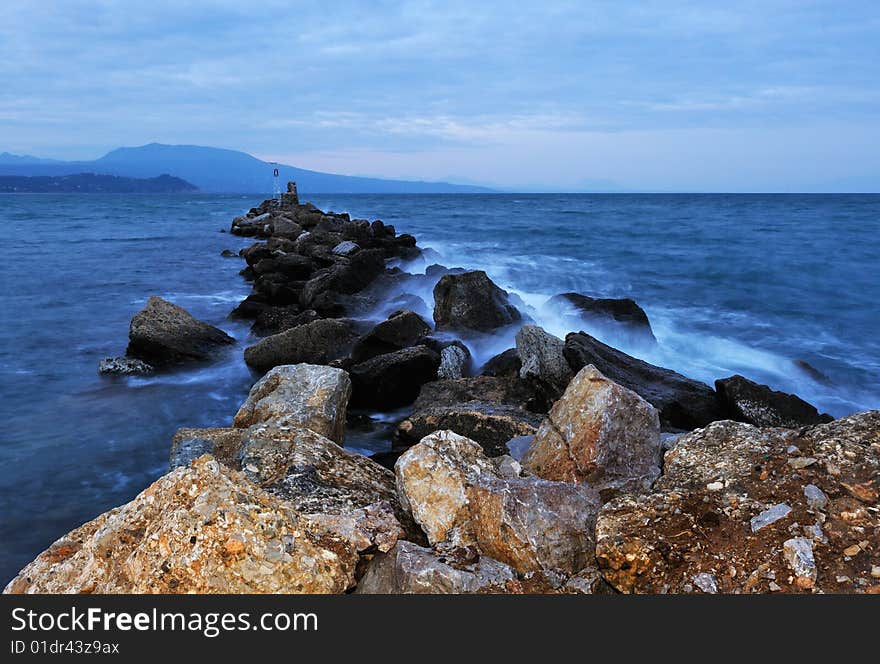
{"points": [[91, 183], [218, 170]]}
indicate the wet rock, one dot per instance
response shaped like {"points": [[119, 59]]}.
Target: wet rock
{"points": [[756, 404], [228, 253], [202, 528], [300, 395], [543, 363], [400, 330], [598, 432], [698, 517], [318, 342], [505, 364], [223, 443], [683, 403], [164, 334], [623, 313], [274, 320], [250, 307], [393, 379], [124, 366], [471, 301], [346, 248], [454, 360], [286, 228], [457, 496], [485, 409], [412, 569]]}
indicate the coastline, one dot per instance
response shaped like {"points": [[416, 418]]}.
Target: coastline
{"points": [[306, 266]]}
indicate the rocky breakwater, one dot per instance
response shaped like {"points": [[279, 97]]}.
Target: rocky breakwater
{"points": [[543, 470]]}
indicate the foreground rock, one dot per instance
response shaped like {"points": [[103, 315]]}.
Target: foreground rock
{"points": [[200, 529], [318, 342], [394, 379], [488, 410], [542, 361], [747, 509], [623, 314], [300, 395], [164, 334], [683, 403], [471, 301], [747, 401], [460, 499], [598, 432], [222, 443], [412, 569]]}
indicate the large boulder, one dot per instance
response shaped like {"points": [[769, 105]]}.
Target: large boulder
{"points": [[485, 409], [318, 342], [274, 320], [683, 403], [623, 314], [598, 432], [394, 379], [460, 498], [401, 330], [300, 395], [504, 365], [747, 401], [747, 509], [201, 528], [471, 301], [412, 569], [543, 363], [223, 443], [164, 334]]}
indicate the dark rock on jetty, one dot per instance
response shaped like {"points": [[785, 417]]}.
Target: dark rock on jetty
{"points": [[401, 330], [622, 311], [504, 364], [318, 342], [163, 334], [393, 379], [683, 403], [471, 301], [757, 404]]}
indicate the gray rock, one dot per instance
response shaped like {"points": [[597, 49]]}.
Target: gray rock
{"points": [[706, 582], [816, 498], [768, 516], [454, 359], [124, 366], [543, 363], [798, 553], [164, 334], [189, 444], [747, 401], [346, 248], [519, 445], [412, 569], [471, 301], [300, 395], [318, 342]]}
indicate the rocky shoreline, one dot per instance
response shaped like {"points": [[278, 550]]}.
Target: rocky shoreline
{"points": [[557, 466]]}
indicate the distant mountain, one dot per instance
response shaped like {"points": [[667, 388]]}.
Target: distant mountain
{"points": [[218, 170], [9, 158], [91, 183]]}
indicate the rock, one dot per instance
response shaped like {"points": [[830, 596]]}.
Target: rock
{"points": [[300, 395], [164, 334], [412, 569], [393, 379], [756, 404], [457, 496], [274, 320], [768, 516], [683, 403], [487, 410], [658, 542], [286, 228], [798, 553], [816, 498], [124, 366], [706, 582], [228, 253], [623, 312], [250, 307], [454, 360], [346, 248], [598, 432], [318, 342], [543, 363], [401, 330], [506, 364], [345, 491], [222, 443], [202, 528], [471, 301]]}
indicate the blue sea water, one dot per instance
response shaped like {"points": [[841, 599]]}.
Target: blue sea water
{"points": [[732, 284]]}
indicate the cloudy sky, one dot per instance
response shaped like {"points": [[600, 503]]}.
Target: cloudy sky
{"points": [[687, 96]]}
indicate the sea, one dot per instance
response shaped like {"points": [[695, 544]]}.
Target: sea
{"points": [[748, 284]]}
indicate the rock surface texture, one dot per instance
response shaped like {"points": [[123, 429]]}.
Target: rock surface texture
{"points": [[472, 301], [747, 401]]}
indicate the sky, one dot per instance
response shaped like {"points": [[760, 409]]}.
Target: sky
{"points": [[555, 96]]}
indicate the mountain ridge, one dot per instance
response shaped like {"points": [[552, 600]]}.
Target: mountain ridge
{"points": [[219, 170]]}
